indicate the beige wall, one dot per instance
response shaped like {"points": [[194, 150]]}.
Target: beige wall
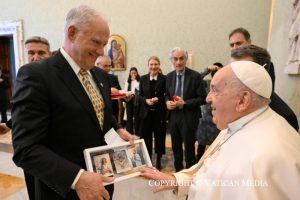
{"points": [[153, 27], [287, 86]]}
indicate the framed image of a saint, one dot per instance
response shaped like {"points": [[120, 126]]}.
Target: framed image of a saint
{"points": [[116, 50], [103, 164]]}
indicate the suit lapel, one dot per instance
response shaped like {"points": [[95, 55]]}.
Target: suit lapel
{"points": [[158, 82], [67, 75], [173, 84], [98, 79], [186, 81], [102, 82], [147, 86]]}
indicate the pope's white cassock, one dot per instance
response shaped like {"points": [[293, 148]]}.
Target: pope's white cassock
{"points": [[259, 159]]}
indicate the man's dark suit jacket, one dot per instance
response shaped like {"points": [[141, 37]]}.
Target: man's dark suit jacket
{"points": [[281, 108], [145, 93], [3, 88], [194, 94], [114, 82], [54, 121]]}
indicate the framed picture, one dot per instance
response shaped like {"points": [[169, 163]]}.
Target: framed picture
{"points": [[116, 50], [122, 161]]}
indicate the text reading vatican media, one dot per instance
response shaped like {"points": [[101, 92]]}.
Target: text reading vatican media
{"points": [[212, 183]]}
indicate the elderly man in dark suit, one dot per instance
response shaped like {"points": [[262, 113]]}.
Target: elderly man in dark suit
{"points": [[105, 63], [61, 106], [185, 92]]}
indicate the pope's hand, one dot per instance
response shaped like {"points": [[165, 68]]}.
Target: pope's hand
{"points": [[166, 181]]}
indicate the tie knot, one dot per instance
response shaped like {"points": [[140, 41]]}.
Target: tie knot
{"points": [[83, 72], [179, 76]]}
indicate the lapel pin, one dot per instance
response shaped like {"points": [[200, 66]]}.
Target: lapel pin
{"points": [[101, 84]]}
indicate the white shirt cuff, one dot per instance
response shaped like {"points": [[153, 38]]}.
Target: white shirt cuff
{"points": [[76, 179]]}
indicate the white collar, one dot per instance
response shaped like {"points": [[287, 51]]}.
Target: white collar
{"points": [[153, 77], [71, 62], [181, 73], [238, 124]]}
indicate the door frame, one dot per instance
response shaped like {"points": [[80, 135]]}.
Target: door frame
{"points": [[15, 28]]}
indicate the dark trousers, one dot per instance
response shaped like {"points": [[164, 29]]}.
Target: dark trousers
{"points": [[154, 122], [29, 179], [182, 132], [132, 123], [115, 105], [3, 109], [200, 151]]}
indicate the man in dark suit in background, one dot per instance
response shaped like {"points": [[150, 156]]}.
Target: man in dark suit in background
{"points": [[61, 106], [185, 93], [240, 37], [37, 48], [262, 57], [104, 62]]}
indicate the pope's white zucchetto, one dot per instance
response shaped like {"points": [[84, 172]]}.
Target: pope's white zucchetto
{"points": [[254, 76]]}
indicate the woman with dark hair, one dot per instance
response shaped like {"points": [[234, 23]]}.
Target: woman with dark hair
{"points": [[132, 86]]}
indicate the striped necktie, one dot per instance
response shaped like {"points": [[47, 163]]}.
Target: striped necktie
{"points": [[96, 100]]}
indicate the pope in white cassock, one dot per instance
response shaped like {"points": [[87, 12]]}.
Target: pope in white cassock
{"points": [[257, 153]]}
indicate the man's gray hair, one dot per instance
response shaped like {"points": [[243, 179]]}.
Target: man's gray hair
{"points": [[100, 58], [38, 39], [81, 16], [177, 49]]}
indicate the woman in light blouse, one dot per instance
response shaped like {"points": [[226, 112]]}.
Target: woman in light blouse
{"points": [[132, 84]]}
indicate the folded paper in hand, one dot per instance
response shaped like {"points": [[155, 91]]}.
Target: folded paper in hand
{"points": [[112, 137]]}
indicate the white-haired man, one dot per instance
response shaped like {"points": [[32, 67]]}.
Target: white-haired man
{"points": [[61, 106], [257, 153], [185, 92], [105, 63]]}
